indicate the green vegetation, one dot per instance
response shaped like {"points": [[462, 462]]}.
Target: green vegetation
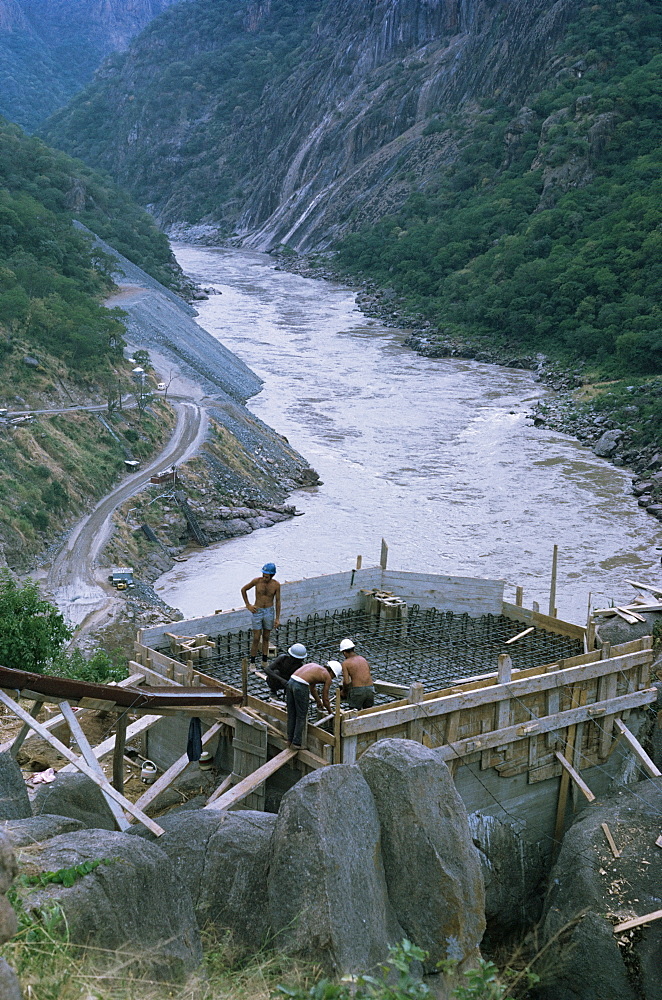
{"points": [[32, 630], [545, 234], [63, 876]]}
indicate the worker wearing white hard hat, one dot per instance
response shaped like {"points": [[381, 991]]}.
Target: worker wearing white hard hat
{"points": [[281, 669], [304, 682], [358, 686]]}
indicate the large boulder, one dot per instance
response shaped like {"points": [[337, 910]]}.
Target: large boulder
{"points": [[591, 891], [9, 986], [75, 796], [23, 832], [433, 869], [327, 892], [14, 800], [222, 859], [134, 903]]}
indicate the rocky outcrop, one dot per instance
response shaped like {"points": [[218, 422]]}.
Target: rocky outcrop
{"points": [[426, 841], [14, 801], [324, 146], [9, 985], [591, 891], [133, 902], [328, 900], [222, 859], [77, 797]]}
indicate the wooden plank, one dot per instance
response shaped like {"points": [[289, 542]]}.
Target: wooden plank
{"points": [[514, 733], [415, 727], [20, 739], [396, 690], [58, 720], [535, 617], [577, 778], [173, 771], [383, 558], [638, 921], [86, 750], [249, 754], [645, 586], [387, 717], [552, 586], [520, 635], [337, 721], [649, 767], [610, 840], [559, 825], [251, 782], [80, 765], [103, 749], [223, 787]]}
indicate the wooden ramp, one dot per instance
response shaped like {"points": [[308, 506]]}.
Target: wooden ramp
{"points": [[248, 785]]}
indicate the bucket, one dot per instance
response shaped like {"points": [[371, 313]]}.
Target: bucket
{"points": [[206, 761], [148, 772]]}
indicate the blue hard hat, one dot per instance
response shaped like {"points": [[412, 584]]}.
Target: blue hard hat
{"points": [[269, 568]]}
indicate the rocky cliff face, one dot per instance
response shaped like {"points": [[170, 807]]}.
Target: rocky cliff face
{"points": [[50, 48], [343, 126]]}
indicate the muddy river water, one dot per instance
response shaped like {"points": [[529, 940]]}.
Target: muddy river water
{"points": [[435, 456]]}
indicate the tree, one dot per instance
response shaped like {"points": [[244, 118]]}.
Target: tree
{"points": [[32, 630]]}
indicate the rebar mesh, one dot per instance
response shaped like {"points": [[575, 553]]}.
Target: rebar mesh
{"points": [[437, 648]]}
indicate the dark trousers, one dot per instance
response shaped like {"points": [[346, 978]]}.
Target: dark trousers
{"points": [[361, 697], [298, 700]]}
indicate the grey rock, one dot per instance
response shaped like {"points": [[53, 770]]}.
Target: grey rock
{"points": [[590, 891], [433, 869], [615, 630], [8, 924], [607, 443], [32, 830], [8, 866], [512, 871], [9, 986], [14, 800], [136, 904], [75, 796], [327, 891]]}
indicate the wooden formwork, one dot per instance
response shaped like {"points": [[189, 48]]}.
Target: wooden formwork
{"points": [[516, 721]]}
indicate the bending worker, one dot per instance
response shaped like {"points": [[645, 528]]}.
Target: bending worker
{"points": [[358, 685], [281, 669], [298, 690], [263, 615]]}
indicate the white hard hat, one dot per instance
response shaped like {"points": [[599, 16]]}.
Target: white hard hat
{"points": [[346, 644], [298, 651], [335, 668]]}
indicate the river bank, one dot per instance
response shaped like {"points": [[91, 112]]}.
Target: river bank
{"points": [[622, 423]]}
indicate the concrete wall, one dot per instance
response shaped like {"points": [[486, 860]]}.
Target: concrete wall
{"points": [[339, 591]]}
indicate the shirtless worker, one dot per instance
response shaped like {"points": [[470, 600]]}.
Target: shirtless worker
{"points": [[357, 685], [263, 616], [298, 690]]}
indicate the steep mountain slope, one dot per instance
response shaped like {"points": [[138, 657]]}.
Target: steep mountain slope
{"points": [[50, 48], [280, 118]]}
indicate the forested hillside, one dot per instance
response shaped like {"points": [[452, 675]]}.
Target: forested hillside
{"points": [[545, 233], [49, 49], [58, 345]]}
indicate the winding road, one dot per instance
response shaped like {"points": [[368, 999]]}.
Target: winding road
{"points": [[74, 580]]}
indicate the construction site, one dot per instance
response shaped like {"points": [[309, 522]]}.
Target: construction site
{"points": [[524, 709]]}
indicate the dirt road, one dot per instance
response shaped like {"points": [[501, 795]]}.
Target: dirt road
{"points": [[76, 585]]}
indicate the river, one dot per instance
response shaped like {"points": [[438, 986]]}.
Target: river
{"points": [[435, 456]]}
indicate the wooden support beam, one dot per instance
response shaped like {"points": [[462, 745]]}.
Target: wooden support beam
{"points": [[173, 771], [248, 784], [638, 921], [395, 690], [646, 586], [552, 586], [610, 840], [337, 721], [244, 680], [565, 775], [383, 558], [415, 697], [86, 750], [58, 720], [649, 767], [519, 597], [576, 777], [103, 749], [80, 765], [25, 730], [223, 787], [118, 752]]}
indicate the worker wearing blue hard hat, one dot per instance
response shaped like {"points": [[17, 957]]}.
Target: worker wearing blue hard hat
{"points": [[265, 609]]}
